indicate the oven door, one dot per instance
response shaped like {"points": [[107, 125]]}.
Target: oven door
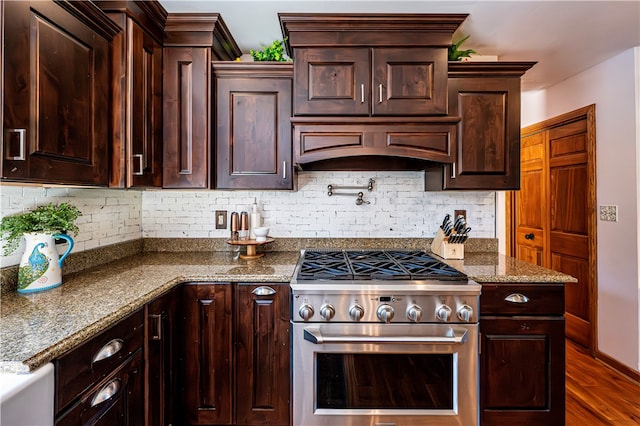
{"points": [[385, 374]]}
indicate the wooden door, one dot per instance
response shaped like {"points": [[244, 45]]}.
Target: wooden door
{"points": [[146, 107], [332, 81], [162, 345], [186, 117], [522, 370], [569, 221], [56, 94], [253, 126], [531, 201], [409, 81], [136, 147], [569, 225], [262, 353], [208, 362]]}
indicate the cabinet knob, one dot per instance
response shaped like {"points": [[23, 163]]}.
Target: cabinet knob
{"points": [[529, 236]]}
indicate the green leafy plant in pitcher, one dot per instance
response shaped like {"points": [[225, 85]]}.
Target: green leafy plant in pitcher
{"points": [[41, 266]]}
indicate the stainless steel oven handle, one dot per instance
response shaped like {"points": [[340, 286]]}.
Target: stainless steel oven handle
{"points": [[315, 336]]}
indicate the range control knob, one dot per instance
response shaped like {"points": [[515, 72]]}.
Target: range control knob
{"points": [[356, 312], [443, 313], [465, 312], [327, 311], [414, 313], [385, 313], [305, 311]]}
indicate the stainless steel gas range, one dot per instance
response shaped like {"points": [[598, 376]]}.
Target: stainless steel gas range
{"points": [[383, 337]]}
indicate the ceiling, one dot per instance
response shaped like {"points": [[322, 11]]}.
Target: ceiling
{"points": [[564, 37]]}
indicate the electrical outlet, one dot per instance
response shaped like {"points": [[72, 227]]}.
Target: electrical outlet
{"points": [[609, 213], [462, 213], [221, 219]]}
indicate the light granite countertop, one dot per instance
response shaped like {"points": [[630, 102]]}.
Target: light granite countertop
{"points": [[36, 328]]}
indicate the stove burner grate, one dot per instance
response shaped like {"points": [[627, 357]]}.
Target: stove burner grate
{"points": [[374, 265]]}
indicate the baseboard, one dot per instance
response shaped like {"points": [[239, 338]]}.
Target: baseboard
{"points": [[618, 366]]}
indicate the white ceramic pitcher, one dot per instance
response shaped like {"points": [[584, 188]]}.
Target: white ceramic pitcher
{"points": [[41, 267]]}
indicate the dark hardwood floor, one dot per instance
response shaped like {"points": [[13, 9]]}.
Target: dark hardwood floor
{"points": [[597, 394]]}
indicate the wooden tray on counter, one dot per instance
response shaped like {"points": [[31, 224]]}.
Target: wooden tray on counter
{"points": [[251, 247]]}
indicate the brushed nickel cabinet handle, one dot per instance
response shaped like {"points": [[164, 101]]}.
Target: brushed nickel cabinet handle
{"points": [[284, 169], [22, 143], [379, 93], [264, 290], [110, 349], [453, 170], [106, 393], [517, 298], [362, 93], [140, 171], [158, 319]]}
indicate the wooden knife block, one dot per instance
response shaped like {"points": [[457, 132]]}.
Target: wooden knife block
{"points": [[445, 249]]}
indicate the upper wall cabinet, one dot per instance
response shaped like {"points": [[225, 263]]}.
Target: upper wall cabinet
{"points": [[56, 92], [363, 81], [253, 125], [136, 146], [487, 98], [370, 90], [191, 42]]}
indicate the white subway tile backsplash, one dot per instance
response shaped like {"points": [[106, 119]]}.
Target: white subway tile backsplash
{"points": [[398, 208]]}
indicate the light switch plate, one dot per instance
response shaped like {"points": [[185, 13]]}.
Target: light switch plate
{"points": [[221, 219], [609, 213]]}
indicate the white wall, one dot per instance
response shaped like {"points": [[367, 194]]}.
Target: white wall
{"points": [[108, 216], [613, 86], [399, 208]]}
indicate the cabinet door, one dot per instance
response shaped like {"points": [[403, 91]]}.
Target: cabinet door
{"points": [[207, 353], [253, 133], [262, 342], [137, 116], [522, 365], [488, 134], [332, 81], [186, 112], [409, 81], [118, 400], [162, 367], [56, 96]]}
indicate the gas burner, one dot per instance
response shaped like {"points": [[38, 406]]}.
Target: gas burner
{"points": [[374, 265]]}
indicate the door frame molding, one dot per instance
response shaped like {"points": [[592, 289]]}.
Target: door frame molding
{"points": [[588, 112]]}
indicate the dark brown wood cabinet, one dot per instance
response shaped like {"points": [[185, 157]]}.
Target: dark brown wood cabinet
{"points": [[56, 62], [162, 359], [262, 354], [370, 81], [486, 96], [136, 145], [191, 42], [522, 354], [102, 381], [236, 353], [253, 125], [208, 348]]}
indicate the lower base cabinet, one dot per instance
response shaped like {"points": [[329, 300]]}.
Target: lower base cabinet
{"points": [[522, 355], [236, 353]]}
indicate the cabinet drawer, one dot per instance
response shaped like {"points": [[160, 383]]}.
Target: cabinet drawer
{"points": [[117, 400], [522, 299], [76, 370]]}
